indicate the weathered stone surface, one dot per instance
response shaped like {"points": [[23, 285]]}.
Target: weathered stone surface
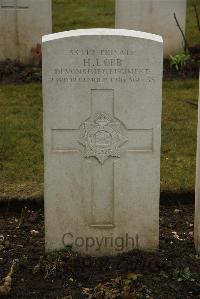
{"points": [[197, 191], [102, 92], [155, 16], [22, 24]]}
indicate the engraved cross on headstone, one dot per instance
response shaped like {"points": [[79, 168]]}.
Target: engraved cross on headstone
{"points": [[14, 4], [104, 139]]}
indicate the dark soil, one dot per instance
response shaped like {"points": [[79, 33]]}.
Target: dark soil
{"points": [[17, 72], [172, 272]]}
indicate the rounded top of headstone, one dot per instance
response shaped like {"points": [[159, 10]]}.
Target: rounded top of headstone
{"points": [[102, 32]]}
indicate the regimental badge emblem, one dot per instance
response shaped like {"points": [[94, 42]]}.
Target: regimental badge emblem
{"points": [[100, 135]]}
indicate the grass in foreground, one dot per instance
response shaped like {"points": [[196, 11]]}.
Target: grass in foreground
{"points": [[179, 123], [21, 159]]}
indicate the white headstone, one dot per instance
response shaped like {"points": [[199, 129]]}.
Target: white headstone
{"points": [[22, 25], [155, 16], [102, 117], [197, 191]]}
